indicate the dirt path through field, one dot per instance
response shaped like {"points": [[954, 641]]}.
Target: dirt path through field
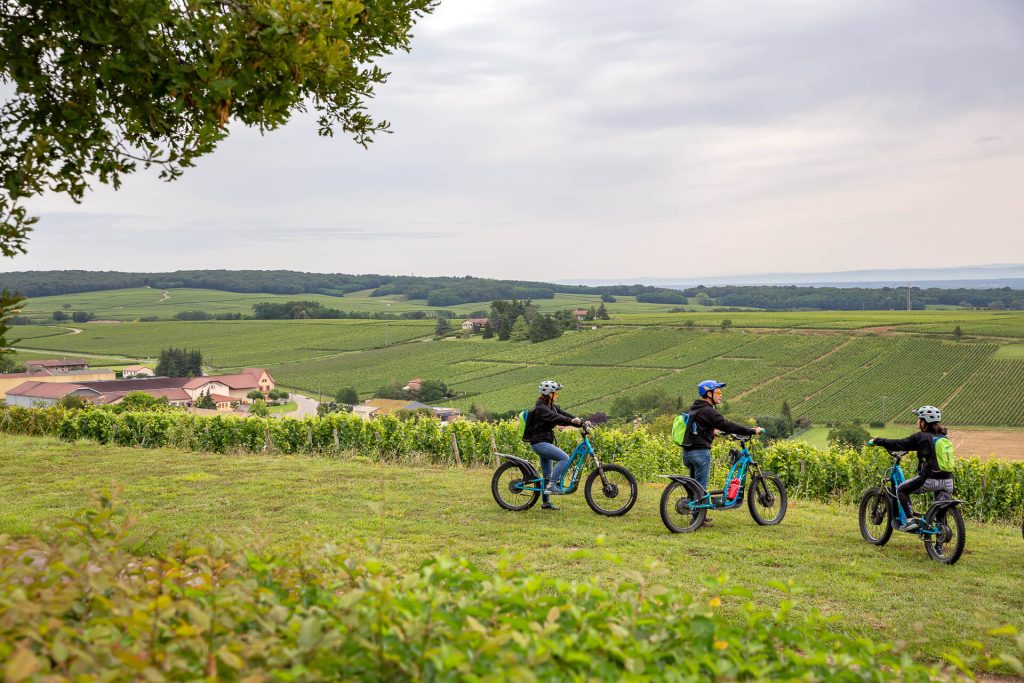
{"points": [[988, 443]]}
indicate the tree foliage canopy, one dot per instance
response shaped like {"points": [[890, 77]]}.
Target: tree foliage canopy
{"points": [[104, 87]]}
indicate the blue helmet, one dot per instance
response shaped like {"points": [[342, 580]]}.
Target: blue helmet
{"points": [[708, 386]]}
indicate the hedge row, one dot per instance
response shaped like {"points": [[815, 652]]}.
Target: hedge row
{"points": [[83, 607], [993, 490]]}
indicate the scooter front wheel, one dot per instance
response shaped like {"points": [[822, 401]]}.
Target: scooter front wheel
{"points": [[767, 499], [875, 517], [612, 495]]}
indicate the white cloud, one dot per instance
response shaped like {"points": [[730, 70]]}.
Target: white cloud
{"points": [[595, 139]]}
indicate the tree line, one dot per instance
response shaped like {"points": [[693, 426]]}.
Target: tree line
{"points": [[451, 291], [790, 297], [436, 291]]}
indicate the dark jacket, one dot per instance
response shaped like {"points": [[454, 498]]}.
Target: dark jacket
{"points": [[921, 443], [541, 423], [708, 419]]}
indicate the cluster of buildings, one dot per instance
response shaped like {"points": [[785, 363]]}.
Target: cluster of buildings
{"points": [[45, 383]]}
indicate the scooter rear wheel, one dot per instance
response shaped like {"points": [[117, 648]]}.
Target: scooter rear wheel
{"points": [[676, 513], [505, 487], [948, 545]]}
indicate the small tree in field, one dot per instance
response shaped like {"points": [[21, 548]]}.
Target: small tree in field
{"points": [[259, 408], [348, 395], [957, 333], [848, 436], [520, 330], [254, 395], [206, 401]]}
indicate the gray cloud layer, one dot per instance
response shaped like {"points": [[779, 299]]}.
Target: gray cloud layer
{"points": [[596, 139]]}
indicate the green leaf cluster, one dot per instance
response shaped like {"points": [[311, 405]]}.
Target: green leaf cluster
{"points": [[82, 606]]}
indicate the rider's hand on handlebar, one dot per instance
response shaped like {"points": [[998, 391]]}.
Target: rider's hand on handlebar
{"points": [[758, 430], [577, 422], [871, 442], [588, 424]]}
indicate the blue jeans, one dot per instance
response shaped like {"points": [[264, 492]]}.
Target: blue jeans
{"points": [[549, 453], [699, 464]]}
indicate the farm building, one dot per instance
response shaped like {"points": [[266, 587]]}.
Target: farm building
{"points": [[227, 391], [63, 365], [474, 324], [13, 379], [137, 371], [45, 394]]}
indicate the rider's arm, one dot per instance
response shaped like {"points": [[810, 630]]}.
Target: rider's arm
{"points": [[573, 419], [553, 416], [909, 443], [729, 427]]}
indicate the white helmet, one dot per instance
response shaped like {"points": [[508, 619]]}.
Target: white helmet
{"points": [[928, 413], [549, 386]]}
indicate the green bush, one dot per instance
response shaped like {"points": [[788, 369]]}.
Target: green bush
{"points": [[82, 606], [993, 490]]}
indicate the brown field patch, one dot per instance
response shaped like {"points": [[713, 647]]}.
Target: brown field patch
{"points": [[985, 443]]}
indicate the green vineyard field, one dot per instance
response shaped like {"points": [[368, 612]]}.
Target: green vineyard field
{"points": [[827, 366]]}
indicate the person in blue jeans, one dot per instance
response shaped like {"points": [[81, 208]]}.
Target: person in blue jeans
{"points": [[705, 422], [540, 434]]}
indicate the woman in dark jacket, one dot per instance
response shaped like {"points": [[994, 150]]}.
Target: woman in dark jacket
{"points": [[540, 434], [930, 477]]}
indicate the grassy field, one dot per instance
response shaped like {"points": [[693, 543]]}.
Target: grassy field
{"points": [[818, 436], [141, 302], [416, 512], [232, 344]]}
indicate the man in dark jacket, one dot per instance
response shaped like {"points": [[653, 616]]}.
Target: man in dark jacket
{"points": [[705, 422]]}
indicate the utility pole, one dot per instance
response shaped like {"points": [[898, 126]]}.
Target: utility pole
{"points": [[908, 296]]}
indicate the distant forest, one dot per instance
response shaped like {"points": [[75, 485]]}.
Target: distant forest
{"points": [[451, 291], [437, 291]]}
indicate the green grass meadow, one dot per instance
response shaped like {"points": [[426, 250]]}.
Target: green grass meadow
{"points": [[893, 593]]}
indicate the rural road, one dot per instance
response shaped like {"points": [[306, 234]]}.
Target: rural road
{"points": [[307, 407]]}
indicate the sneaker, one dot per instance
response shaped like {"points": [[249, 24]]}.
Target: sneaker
{"points": [[912, 525], [708, 522], [549, 506], [553, 489]]}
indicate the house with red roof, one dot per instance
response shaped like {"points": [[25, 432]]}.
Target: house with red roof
{"points": [[227, 391]]}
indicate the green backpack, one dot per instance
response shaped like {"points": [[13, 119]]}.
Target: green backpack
{"points": [[523, 417], [944, 453], [679, 426]]}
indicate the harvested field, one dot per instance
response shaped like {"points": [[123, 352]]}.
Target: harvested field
{"points": [[1005, 444]]}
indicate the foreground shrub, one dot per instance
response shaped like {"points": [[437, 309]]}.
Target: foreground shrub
{"points": [[83, 607], [993, 490]]}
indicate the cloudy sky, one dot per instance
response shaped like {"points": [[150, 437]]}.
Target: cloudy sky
{"points": [[593, 139]]}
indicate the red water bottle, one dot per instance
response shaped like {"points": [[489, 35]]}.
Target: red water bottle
{"points": [[734, 488]]}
